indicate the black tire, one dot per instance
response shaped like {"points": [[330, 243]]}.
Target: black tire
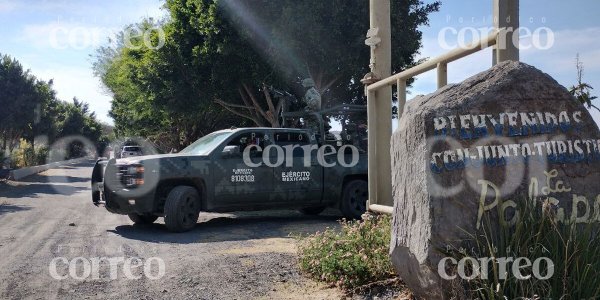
{"points": [[182, 209], [142, 219], [354, 198], [312, 211]]}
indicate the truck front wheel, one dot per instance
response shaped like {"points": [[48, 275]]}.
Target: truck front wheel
{"points": [[142, 219], [182, 209], [354, 198]]}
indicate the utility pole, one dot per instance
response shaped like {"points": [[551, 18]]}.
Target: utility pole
{"points": [[379, 104], [506, 15]]}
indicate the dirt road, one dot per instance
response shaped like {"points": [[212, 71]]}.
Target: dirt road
{"points": [[54, 244]]}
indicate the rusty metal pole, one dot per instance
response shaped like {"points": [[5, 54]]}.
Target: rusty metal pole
{"points": [[380, 106], [506, 15]]}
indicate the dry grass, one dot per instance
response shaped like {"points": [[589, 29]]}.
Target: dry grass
{"points": [[270, 245], [304, 289]]}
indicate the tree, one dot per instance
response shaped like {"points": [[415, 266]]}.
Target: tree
{"points": [[221, 58], [18, 99], [322, 40], [46, 114], [30, 109], [75, 119], [582, 91], [162, 94]]}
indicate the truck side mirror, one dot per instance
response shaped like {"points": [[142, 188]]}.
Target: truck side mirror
{"points": [[231, 150]]}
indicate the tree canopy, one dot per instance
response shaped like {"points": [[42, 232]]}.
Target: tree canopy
{"points": [[31, 109], [222, 60]]}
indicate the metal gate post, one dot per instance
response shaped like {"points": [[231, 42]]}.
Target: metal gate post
{"points": [[506, 15], [380, 107]]}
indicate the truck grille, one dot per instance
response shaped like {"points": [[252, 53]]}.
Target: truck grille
{"points": [[119, 176]]}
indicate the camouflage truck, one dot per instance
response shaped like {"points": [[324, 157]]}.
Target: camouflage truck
{"points": [[235, 170]]}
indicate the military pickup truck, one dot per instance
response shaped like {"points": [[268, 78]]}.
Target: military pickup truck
{"points": [[235, 170]]}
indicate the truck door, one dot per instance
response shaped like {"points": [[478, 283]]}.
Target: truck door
{"points": [[303, 180], [236, 182]]}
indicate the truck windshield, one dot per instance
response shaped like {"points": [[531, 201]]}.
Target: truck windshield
{"points": [[206, 144], [131, 149]]}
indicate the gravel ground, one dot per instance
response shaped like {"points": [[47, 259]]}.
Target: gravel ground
{"points": [[50, 218]]}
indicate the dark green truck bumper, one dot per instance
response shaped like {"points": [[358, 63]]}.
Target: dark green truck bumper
{"points": [[115, 196], [127, 202]]}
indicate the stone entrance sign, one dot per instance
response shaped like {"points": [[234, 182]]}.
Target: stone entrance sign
{"points": [[476, 150]]}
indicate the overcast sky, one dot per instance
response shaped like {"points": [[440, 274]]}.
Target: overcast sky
{"points": [[56, 38]]}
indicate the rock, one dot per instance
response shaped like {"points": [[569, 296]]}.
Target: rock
{"points": [[545, 141]]}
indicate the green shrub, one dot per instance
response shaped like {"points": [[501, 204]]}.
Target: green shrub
{"points": [[41, 155], [26, 155], [573, 249], [355, 255]]}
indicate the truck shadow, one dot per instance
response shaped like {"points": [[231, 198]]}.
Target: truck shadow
{"points": [[10, 208], [38, 185], [55, 179], [233, 227], [85, 163], [39, 190]]}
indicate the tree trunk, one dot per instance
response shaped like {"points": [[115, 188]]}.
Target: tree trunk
{"points": [[252, 110]]}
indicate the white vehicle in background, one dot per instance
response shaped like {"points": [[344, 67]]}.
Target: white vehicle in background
{"points": [[129, 151]]}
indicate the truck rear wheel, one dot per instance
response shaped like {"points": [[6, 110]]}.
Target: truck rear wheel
{"points": [[142, 219], [182, 209], [354, 198], [312, 211]]}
